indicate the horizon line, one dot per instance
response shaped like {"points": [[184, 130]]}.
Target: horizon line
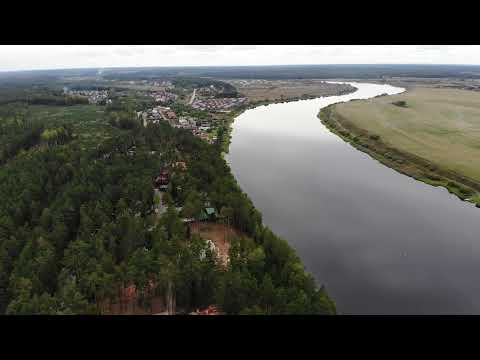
{"points": [[227, 66]]}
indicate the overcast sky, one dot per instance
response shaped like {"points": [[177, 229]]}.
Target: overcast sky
{"points": [[25, 57]]}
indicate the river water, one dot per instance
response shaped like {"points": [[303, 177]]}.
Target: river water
{"points": [[381, 242]]}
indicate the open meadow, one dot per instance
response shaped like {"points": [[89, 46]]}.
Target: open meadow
{"points": [[271, 90], [436, 131]]}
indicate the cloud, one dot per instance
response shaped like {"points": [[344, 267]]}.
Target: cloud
{"points": [[202, 48], [128, 51], [76, 56]]}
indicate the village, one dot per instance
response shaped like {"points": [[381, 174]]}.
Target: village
{"points": [[94, 96], [161, 83], [221, 104], [164, 97], [202, 128]]}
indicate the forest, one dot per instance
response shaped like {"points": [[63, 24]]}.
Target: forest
{"points": [[77, 223], [337, 71]]}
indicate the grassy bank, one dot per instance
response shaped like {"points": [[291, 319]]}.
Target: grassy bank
{"points": [[430, 137], [260, 90]]}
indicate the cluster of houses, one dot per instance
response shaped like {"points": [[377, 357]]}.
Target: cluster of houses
{"points": [[201, 130], [251, 82], [168, 115], [187, 123], [94, 96], [164, 97], [205, 137], [157, 83], [159, 113], [164, 83], [223, 104]]}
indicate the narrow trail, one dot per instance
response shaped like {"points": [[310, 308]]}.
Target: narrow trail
{"points": [[193, 97]]}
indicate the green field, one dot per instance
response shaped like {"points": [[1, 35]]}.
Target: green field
{"points": [[88, 121], [435, 138]]}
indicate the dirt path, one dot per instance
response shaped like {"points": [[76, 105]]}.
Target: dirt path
{"points": [[192, 99]]}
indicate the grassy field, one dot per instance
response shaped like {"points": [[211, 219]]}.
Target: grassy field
{"points": [[271, 90], [434, 138]]}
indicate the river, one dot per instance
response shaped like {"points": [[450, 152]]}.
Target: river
{"points": [[381, 242]]}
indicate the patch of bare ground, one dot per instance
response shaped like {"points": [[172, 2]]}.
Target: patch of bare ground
{"points": [[128, 303], [219, 234], [131, 307]]}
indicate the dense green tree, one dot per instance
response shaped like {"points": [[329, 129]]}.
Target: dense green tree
{"points": [[193, 205], [76, 222], [70, 299], [23, 303]]}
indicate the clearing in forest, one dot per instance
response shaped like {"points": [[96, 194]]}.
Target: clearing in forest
{"points": [[219, 234]]}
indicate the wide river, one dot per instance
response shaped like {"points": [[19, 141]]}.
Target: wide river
{"points": [[381, 242]]}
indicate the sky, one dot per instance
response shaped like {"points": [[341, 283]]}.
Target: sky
{"points": [[29, 57]]}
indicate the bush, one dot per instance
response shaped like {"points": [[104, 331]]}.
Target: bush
{"points": [[452, 184], [434, 177], [400, 103]]}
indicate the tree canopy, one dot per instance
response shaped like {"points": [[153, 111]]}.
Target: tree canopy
{"points": [[77, 223]]}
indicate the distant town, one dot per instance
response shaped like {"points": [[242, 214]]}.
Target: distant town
{"points": [[201, 99], [94, 96], [165, 96]]}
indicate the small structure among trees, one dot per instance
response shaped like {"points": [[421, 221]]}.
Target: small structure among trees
{"points": [[162, 180]]}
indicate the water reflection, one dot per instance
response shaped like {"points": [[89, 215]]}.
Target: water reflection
{"points": [[380, 241]]}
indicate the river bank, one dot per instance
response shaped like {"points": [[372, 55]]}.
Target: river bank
{"points": [[379, 241], [226, 140], [419, 168]]}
